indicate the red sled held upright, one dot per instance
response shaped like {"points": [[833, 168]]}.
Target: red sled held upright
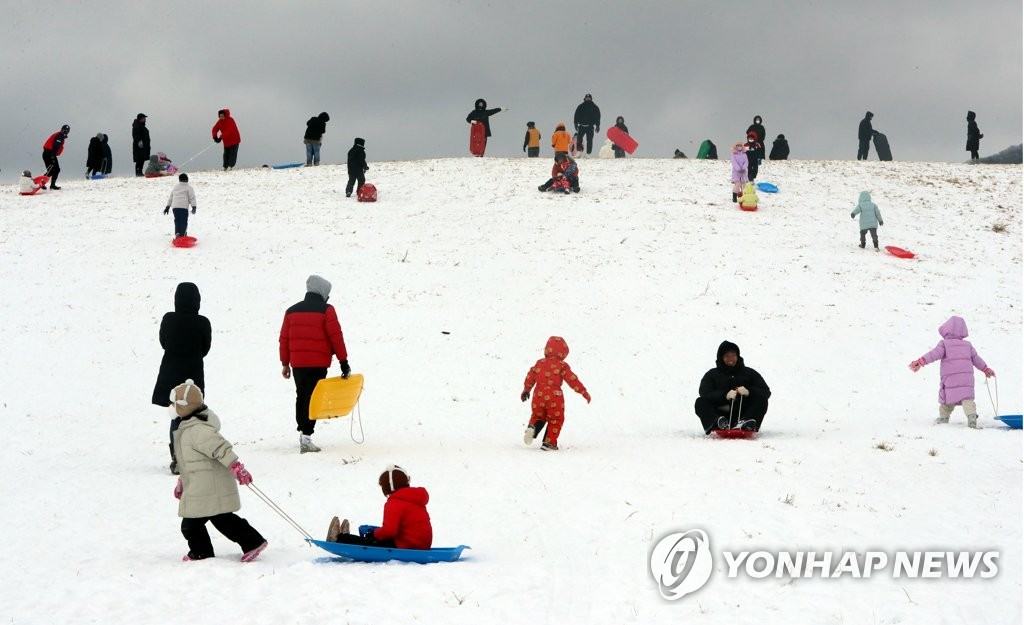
{"points": [[622, 140], [477, 139], [367, 193]]}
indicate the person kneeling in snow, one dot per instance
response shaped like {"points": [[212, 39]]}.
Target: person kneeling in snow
{"points": [[206, 489], [406, 523], [730, 383]]}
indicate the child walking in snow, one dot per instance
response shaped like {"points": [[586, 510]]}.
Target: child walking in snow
{"points": [[406, 523], [548, 405], [870, 218], [739, 170], [206, 489], [956, 377], [182, 196]]}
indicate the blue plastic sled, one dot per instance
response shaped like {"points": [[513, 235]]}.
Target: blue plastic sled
{"points": [[767, 187], [287, 166], [97, 177], [1012, 420], [362, 553]]}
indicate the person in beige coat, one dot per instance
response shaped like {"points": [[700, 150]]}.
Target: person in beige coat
{"points": [[206, 489]]}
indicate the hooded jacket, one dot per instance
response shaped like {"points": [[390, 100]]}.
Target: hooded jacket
{"points": [[548, 373], [94, 154], [739, 165], [870, 217], [107, 161], [227, 128], [956, 376], [780, 149], [481, 114], [185, 338], [973, 134], [406, 520], [310, 332], [315, 128], [561, 139], [204, 460], [864, 131], [723, 378], [356, 160], [140, 141]]}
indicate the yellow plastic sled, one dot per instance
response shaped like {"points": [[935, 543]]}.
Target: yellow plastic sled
{"points": [[335, 397]]}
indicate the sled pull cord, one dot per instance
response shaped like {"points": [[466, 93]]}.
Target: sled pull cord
{"points": [[273, 506]]}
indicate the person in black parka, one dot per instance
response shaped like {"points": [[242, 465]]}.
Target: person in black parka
{"points": [[758, 129], [94, 156], [140, 151], [780, 149], [185, 337], [973, 135], [732, 385], [315, 129], [107, 162], [357, 167], [864, 134], [481, 115], [587, 120]]}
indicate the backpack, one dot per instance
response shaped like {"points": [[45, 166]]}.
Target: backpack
{"points": [[367, 193]]}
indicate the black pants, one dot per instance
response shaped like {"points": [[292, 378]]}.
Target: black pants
{"points": [[52, 167], [180, 221], [355, 539], [235, 528], [874, 236], [974, 155], [586, 130], [352, 179], [751, 166], [138, 167], [619, 152], [533, 152], [752, 408], [862, 150], [305, 381], [230, 155]]}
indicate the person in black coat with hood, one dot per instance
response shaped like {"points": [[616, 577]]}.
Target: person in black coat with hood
{"points": [[758, 129], [780, 149], [315, 129], [94, 156], [587, 120], [107, 163], [185, 337], [140, 150], [357, 167], [732, 388], [481, 115], [973, 135], [864, 134]]}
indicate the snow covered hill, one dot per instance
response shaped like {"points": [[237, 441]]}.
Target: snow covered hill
{"points": [[447, 289]]}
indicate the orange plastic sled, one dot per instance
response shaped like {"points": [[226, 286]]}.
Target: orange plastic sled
{"points": [[335, 397]]}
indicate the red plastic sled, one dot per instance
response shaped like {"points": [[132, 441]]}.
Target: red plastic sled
{"points": [[898, 252], [743, 434], [749, 209], [477, 139], [621, 139], [184, 242], [367, 193]]}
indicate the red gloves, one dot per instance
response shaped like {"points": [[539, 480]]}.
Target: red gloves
{"points": [[177, 489], [917, 364], [989, 373], [244, 477]]}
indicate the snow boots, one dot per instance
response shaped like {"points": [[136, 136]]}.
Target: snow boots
{"points": [[252, 554], [306, 444], [529, 435], [549, 447], [972, 422], [336, 528]]}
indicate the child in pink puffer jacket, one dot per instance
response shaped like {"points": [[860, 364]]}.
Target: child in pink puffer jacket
{"points": [[956, 372]]}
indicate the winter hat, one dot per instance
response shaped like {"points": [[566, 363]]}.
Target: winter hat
{"points": [[529, 124], [141, 116], [182, 177], [26, 173], [186, 398], [869, 115], [99, 137], [481, 103], [588, 97], [560, 126], [324, 117], [393, 478], [752, 135], [360, 141], [316, 284], [780, 138], [65, 129]]}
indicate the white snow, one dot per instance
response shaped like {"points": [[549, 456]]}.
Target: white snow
{"points": [[447, 289]]}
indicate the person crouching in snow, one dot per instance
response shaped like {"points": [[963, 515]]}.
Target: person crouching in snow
{"points": [[182, 196], [728, 383], [739, 170], [870, 218], [548, 405], [956, 377], [206, 489], [406, 522]]}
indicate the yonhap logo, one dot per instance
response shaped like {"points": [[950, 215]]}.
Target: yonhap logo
{"points": [[681, 563]]}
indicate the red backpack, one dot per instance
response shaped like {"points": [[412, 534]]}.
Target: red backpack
{"points": [[367, 193]]}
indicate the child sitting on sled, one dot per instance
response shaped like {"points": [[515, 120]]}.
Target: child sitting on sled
{"points": [[956, 376], [748, 201], [27, 185], [159, 165], [406, 523], [564, 175], [548, 405]]}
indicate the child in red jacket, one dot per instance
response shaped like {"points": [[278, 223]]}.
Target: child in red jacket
{"points": [[406, 522], [548, 406]]}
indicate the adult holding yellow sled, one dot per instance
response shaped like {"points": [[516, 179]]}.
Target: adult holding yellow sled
{"points": [[310, 337]]}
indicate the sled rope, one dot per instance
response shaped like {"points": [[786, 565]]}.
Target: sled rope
{"points": [[995, 404], [352, 426], [276, 508], [182, 165], [732, 402]]}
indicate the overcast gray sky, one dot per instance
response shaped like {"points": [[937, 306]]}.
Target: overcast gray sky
{"points": [[404, 74]]}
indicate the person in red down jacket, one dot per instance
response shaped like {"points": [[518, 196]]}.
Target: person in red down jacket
{"points": [[548, 406], [310, 336], [406, 521], [228, 134]]}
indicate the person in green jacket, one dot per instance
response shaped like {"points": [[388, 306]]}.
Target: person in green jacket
{"points": [[206, 489], [870, 218]]}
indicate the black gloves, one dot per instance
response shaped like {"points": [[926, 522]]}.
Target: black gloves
{"points": [[167, 210], [345, 369], [525, 395], [216, 139], [193, 210]]}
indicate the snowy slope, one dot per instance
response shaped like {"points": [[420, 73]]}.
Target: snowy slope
{"points": [[447, 289]]}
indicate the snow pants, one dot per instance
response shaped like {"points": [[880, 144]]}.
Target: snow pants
{"points": [[549, 411], [52, 167], [353, 179], [708, 412], [305, 381], [235, 528], [585, 130], [180, 221], [230, 155], [874, 236]]}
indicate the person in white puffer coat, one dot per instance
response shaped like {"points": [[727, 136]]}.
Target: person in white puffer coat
{"points": [[182, 196], [206, 487]]}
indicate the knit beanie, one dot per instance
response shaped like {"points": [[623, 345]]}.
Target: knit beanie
{"points": [[186, 398]]}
